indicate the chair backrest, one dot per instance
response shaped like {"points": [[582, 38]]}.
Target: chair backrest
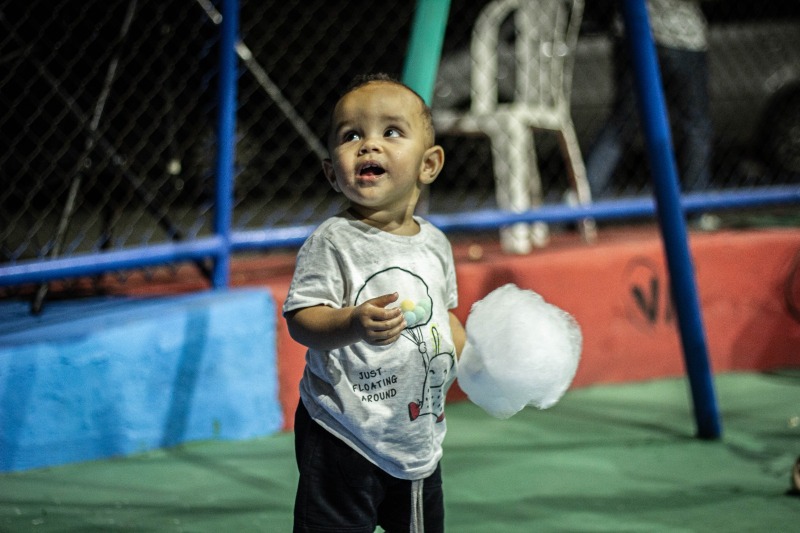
{"points": [[546, 35]]}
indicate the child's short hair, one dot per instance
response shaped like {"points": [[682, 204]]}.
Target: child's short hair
{"points": [[365, 79]]}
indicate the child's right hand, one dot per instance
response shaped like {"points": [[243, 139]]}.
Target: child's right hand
{"points": [[375, 324]]}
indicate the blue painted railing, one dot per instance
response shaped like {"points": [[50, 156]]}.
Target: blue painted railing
{"points": [[221, 249]]}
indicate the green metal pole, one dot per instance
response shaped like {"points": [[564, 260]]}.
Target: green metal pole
{"points": [[425, 46]]}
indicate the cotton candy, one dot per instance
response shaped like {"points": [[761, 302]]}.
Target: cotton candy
{"points": [[520, 351]]}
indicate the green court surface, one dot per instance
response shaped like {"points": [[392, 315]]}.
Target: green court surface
{"points": [[606, 458]]}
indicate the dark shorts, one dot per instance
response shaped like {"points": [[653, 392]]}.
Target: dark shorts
{"points": [[339, 490]]}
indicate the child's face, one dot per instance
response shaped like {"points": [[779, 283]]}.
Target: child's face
{"points": [[381, 151]]}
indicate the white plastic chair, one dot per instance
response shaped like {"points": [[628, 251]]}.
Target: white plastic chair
{"points": [[546, 33]]}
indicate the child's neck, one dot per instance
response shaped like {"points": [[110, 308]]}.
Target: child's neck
{"points": [[396, 225]]}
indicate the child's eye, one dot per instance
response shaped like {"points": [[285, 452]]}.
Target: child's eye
{"points": [[350, 136], [392, 132]]}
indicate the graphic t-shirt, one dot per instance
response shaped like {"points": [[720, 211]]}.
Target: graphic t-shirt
{"points": [[386, 402]]}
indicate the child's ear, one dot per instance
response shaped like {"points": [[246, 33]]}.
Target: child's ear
{"points": [[432, 163], [330, 175]]}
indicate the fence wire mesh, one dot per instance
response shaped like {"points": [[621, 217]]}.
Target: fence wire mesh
{"points": [[109, 114]]}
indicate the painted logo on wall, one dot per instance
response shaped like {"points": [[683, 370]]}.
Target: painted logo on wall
{"points": [[648, 297]]}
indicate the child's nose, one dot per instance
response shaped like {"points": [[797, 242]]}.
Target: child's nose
{"points": [[370, 144]]}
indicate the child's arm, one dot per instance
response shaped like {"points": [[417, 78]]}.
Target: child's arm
{"points": [[324, 328], [458, 332]]}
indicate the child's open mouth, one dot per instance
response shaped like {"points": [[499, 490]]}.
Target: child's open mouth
{"points": [[371, 170]]}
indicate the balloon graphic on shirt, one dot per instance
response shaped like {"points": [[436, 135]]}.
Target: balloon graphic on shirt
{"points": [[415, 300], [416, 311], [417, 307]]}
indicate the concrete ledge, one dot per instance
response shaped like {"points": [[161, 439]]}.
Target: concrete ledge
{"points": [[112, 376]]}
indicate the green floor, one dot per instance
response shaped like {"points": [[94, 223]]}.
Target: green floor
{"points": [[611, 458]]}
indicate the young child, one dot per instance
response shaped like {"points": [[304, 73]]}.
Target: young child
{"points": [[371, 299]]}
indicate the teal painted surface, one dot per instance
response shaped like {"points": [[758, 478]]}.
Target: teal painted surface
{"points": [[425, 46], [110, 377]]}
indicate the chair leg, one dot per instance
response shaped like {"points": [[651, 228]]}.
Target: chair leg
{"points": [[511, 145], [576, 173], [539, 231]]}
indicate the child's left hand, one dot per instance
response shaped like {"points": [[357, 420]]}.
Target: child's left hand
{"points": [[377, 325]]}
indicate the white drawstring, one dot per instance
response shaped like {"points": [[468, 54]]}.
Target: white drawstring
{"points": [[417, 522]]}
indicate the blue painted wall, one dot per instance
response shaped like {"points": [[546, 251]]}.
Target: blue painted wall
{"points": [[106, 377]]}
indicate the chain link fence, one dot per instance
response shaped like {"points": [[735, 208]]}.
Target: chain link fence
{"points": [[109, 107], [110, 112]]}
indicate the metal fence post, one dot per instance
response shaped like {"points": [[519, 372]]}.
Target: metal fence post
{"points": [[425, 46], [652, 109], [226, 139]]}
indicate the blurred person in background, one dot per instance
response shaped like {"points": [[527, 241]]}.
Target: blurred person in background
{"points": [[680, 31]]}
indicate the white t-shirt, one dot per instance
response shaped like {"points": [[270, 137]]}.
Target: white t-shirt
{"points": [[386, 402]]}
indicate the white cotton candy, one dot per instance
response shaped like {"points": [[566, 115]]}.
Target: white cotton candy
{"points": [[520, 351]]}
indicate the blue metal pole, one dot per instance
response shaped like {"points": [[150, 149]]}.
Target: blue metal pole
{"points": [[652, 109], [226, 139], [425, 46]]}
